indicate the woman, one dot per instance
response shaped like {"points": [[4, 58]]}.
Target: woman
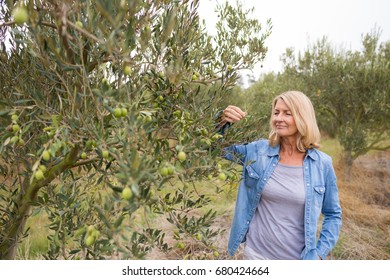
{"points": [[287, 184]]}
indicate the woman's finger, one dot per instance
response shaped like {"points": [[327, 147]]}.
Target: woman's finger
{"points": [[233, 114], [236, 109], [229, 116]]}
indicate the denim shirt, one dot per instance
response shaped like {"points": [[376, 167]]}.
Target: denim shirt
{"points": [[259, 160]]}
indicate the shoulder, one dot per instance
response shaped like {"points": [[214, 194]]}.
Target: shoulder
{"points": [[260, 144], [262, 147], [320, 156]]}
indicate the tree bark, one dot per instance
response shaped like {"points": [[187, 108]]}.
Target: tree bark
{"points": [[348, 163]]}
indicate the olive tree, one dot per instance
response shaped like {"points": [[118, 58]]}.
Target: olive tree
{"points": [[107, 121], [351, 90]]}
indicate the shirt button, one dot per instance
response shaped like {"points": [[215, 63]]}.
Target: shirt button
{"points": [[264, 179], [247, 222], [308, 184]]}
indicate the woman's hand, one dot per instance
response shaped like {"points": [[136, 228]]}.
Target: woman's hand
{"points": [[232, 114]]}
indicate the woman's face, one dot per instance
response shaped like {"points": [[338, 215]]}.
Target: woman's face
{"points": [[283, 120]]}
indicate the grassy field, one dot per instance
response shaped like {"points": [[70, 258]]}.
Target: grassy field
{"points": [[365, 201]]}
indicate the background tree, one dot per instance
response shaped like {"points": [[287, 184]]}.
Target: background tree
{"points": [[107, 115], [351, 92]]}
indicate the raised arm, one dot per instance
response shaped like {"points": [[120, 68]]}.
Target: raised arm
{"points": [[227, 117]]}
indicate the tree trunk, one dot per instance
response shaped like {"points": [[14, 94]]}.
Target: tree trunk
{"points": [[348, 163], [13, 231]]}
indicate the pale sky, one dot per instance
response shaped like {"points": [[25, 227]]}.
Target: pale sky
{"points": [[297, 23]]}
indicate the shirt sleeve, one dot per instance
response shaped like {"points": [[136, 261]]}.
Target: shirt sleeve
{"points": [[236, 153]]}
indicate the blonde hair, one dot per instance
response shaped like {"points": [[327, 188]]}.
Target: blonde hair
{"points": [[305, 119]]}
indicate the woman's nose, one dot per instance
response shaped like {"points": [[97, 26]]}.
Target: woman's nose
{"points": [[278, 118]]}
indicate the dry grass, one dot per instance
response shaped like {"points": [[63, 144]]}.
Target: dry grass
{"points": [[365, 201]]}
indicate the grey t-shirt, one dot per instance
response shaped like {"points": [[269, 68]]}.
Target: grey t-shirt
{"points": [[277, 228]]}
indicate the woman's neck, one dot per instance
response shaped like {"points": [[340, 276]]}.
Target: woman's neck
{"points": [[289, 153]]}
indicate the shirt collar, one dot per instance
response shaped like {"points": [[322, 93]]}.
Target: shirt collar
{"points": [[312, 153], [274, 151]]}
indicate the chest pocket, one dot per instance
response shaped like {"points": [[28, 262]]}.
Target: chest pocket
{"points": [[251, 176], [319, 192]]}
